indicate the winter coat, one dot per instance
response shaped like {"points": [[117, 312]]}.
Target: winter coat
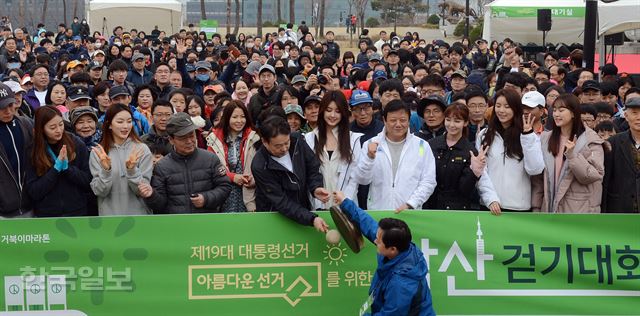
{"points": [[117, 189], [399, 286], [579, 188], [177, 177], [260, 102], [278, 189], [343, 178], [61, 193], [415, 178], [13, 199], [507, 180], [621, 185], [455, 180], [217, 145]]}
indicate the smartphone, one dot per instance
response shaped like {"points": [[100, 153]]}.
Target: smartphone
{"points": [[235, 52]]}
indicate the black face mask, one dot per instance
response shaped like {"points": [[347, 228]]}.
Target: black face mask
{"points": [[279, 70]]}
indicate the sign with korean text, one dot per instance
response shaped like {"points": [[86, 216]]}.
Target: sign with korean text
{"points": [[265, 264], [532, 12], [209, 27]]}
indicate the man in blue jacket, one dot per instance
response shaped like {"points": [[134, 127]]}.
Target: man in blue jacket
{"points": [[399, 286]]}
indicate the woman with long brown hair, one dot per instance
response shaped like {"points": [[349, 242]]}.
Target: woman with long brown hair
{"points": [[574, 161], [118, 164], [58, 177], [234, 142], [337, 148], [513, 156]]}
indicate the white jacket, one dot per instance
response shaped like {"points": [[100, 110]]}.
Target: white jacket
{"points": [[506, 180], [342, 177], [415, 178]]}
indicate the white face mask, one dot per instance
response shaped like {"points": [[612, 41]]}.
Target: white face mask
{"points": [[98, 44], [173, 43], [249, 45], [198, 49], [117, 44]]}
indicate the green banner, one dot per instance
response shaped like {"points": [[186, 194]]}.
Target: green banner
{"points": [[532, 12], [264, 264], [209, 27]]}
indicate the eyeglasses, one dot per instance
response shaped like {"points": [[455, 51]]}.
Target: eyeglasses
{"points": [[41, 74], [427, 92], [361, 108], [473, 106]]}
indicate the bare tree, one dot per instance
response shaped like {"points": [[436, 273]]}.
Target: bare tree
{"points": [[75, 8], [237, 22], [259, 18], [21, 12], [228, 16], [361, 7], [203, 10], [64, 11], [321, 18], [279, 9], [292, 11], [44, 11]]}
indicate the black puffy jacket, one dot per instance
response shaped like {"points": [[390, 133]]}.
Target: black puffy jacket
{"points": [[176, 177], [278, 189], [456, 181]]}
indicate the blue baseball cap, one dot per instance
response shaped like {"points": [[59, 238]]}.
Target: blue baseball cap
{"points": [[379, 74], [358, 97]]}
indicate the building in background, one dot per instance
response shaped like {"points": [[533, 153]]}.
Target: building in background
{"points": [[335, 12], [28, 13]]}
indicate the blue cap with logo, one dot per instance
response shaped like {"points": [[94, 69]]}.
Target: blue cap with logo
{"points": [[358, 97]]}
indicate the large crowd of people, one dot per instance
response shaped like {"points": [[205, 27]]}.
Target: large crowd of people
{"points": [[134, 123]]}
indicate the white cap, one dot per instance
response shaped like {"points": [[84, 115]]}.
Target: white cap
{"points": [[533, 99], [14, 86]]}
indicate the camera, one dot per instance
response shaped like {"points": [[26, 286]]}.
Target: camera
{"points": [[322, 79]]}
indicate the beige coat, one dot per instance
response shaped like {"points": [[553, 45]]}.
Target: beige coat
{"points": [[580, 182], [216, 146]]}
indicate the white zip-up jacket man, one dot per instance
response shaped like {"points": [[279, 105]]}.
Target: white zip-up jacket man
{"points": [[415, 178]]}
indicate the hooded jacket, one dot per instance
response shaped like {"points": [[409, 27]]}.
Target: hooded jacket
{"points": [[117, 189], [335, 169], [399, 286], [579, 187]]}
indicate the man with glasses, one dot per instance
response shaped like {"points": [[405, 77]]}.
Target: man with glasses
{"points": [[161, 113], [363, 122], [477, 103], [590, 92], [161, 80], [432, 111], [189, 179], [40, 78]]}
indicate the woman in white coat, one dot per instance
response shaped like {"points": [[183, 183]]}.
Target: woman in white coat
{"points": [[513, 156], [337, 148]]}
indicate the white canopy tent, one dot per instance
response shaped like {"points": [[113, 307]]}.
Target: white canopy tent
{"points": [[104, 15], [517, 20], [619, 16]]}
